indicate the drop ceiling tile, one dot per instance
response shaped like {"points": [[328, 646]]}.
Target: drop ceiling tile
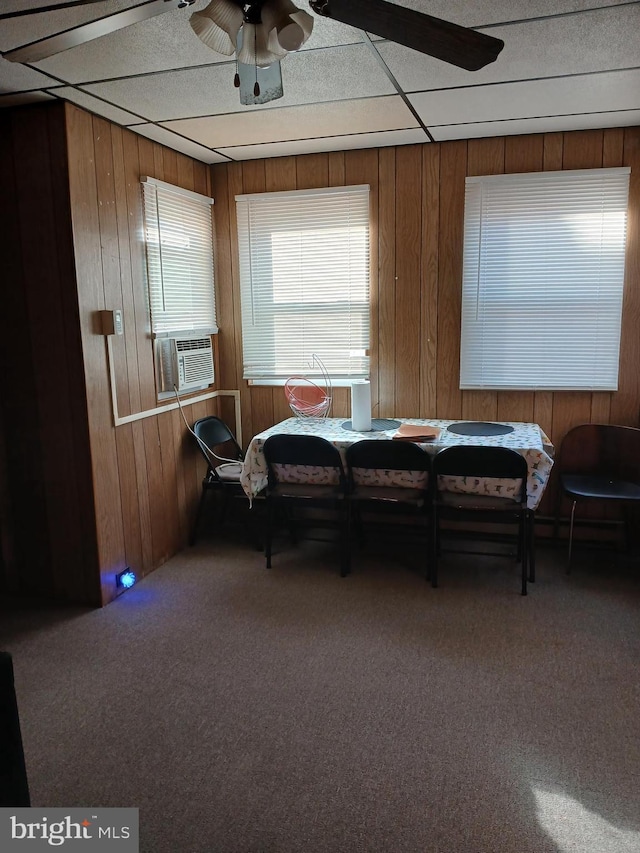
{"points": [[95, 105], [18, 31], [593, 93], [329, 74], [338, 73], [594, 41], [15, 77], [474, 14], [296, 123], [328, 33], [333, 143], [174, 94], [158, 44], [628, 118], [178, 143]]}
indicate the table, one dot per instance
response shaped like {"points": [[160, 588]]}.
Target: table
{"points": [[527, 438]]}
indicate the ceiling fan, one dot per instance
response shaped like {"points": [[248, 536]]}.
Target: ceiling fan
{"points": [[262, 32]]}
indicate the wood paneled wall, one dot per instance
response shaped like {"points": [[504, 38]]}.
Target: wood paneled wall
{"points": [[82, 499], [417, 204], [94, 498], [146, 474]]}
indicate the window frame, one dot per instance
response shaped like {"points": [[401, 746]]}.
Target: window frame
{"points": [[193, 206], [563, 238], [260, 217]]}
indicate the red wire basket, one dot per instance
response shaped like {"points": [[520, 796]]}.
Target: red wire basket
{"points": [[305, 398]]}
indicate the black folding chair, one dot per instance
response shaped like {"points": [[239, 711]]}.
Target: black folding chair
{"points": [[598, 462], [392, 479], [306, 472], [224, 458], [485, 485]]}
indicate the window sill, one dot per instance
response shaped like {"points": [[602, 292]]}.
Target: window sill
{"points": [[335, 383]]}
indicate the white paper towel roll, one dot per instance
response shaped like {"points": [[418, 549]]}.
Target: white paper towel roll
{"points": [[361, 405]]}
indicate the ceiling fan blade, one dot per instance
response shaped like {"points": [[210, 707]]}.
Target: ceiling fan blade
{"points": [[449, 42], [74, 36], [6, 16]]}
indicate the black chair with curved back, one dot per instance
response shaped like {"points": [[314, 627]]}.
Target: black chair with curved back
{"points": [[486, 485], [390, 478], [224, 458], [598, 462], [306, 472]]}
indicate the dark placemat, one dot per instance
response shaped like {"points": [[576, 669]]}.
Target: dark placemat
{"points": [[479, 428], [377, 425]]}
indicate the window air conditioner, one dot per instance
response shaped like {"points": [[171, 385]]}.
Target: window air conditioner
{"points": [[186, 363]]}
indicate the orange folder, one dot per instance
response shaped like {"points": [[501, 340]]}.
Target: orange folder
{"points": [[415, 432]]}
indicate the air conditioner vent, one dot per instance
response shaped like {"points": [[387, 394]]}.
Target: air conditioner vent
{"points": [[187, 344], [186, 363]]}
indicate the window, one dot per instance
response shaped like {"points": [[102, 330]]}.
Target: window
{"points": [[179, 249], [543, 280], [304, 277]]}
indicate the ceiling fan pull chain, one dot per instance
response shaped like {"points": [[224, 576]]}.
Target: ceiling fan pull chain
{"points": [[256, 88]]}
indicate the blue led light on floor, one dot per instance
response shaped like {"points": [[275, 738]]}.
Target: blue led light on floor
{"points": [[127, 579]]}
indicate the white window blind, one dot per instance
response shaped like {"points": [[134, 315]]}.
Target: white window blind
{"points": [[543, 280], [179, 250], [304, 276]]}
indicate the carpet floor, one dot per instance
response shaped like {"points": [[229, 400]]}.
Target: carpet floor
{"points": [[252, 711]]}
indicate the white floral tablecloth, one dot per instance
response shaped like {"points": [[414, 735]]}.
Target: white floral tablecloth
{"points": [[527, 438]]}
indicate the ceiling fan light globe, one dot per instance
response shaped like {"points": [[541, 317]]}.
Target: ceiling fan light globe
{"points": [[255, 48], [218, 25], [212, 36], [289, 26], [289, 39], [305, 21]]}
